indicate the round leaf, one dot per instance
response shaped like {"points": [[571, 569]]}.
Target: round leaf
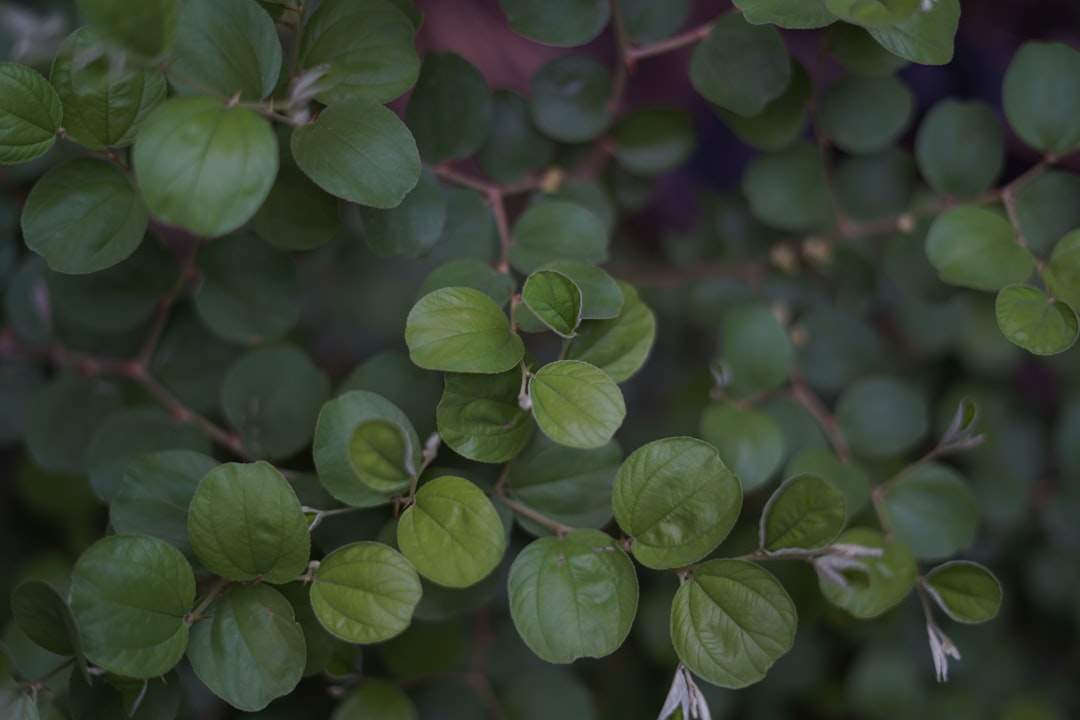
{"points": [[558, 22], [1047, 208], [44, 616], [848, 478], [459, 329], [450, 108], [805, 512], [881, 417], [886, 581], [783, 120], [730, 621], [570, 99], [865, 114], [203, 166], [380, 454], [932, 511], [365, 592], [359, 151], [787, 189], [574, 596], [473, 274], [452, 533], [84, 216], [146, 29], [1063, 271], [792, 14], [740, 67], [514, 147], [30, 113], [618, 346], [480, 418], [414, 226], [960, 148], [16, 705], [1033, 321], [859, 52], [755, 349], [245, 522], [677, 499], [601, 297], [130, 595], [249, 649], [873, 13], [925, 37], [392, 375], [647, 21], [297, 214], [1041, 95], [376, 700], [748, 440], [113, 696], [576, 404], [975, 248], [557, 230], [63, 417], [966, 591], [653, 140], [555, 299]]}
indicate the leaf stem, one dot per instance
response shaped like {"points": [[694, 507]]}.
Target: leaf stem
{"points": [[49, 675], [676, 42], [556, 527], [802, 394], [215, 592]]}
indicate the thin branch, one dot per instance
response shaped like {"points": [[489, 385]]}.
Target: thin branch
{"points": [[552, 525], [211, 596], [690, 37], [623, 61], [40, 680], [165, 305], [802, 393]]}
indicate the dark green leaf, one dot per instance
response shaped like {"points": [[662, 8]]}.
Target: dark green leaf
{"points": [[618, 346], [297, 214], [558, 22], [748, 441], [887, 579], [44, 616], [557, 230], [960, 148], [381, 456], [1063, 271], [838, 348], [19, 385], [1047, 208], [966, 591], [859, 52], [805, 512], [545, 693], [1041, 95], [873, 13], [755, 349], [190, 362], [932, 511], [459, 329], [411, 228], [514, 147], [647, 21], [576, 404], [392, 375], [653, 140], [740, 67], [480, 418], [469, 232], [15, 705], [881, 417], [376, 700], [473, 274], [783, 119], [113, 697], [63, 417], [792, 14], [589, 194], [1033, 321], [555, 299], [787, 189], [450, 109], [570, 99], [146, 29], [926, 37], [848, 478], [865, 114], [976, 248], [877, 186], [601, 297]]}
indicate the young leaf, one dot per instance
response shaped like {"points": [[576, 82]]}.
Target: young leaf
{"points": [[882, 582], [791, 14], [557, 230], [925, 37], [730, 621], [558, 22], [31, 113], [748, 440], [805, 512], [574, 596], [452, 533], [380, 454], [1041, 95], [450, 108], [618, 346], [480, 417], [555, 299], [146, 29], [570, 99], [459, 329], [880, 416], [740, 67], [576, 404], [677, 499], [960, 148], [975, 248], [966, 591], [1033, 321], [932, 511]]}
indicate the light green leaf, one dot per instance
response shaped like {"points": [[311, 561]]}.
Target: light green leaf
{"points": [[740, 67], [730, 621], [558, 22], [480, 418], [229, 46], [245, 522], [677, 499], [960, 148], [146, 29], [249, 649], [618, 346], [376, 700], [926, 37], [887, 580], [873, 13], [576, 404], [557, 230], [514, 147], [452, 533], [865, 114], [130, 595], [334, 432], [359, 151], [932, 511], [414, 226], [1063, 272], [474, 274], [653, 140], [966, 591], [14, 705], [459, 329], [450, 109], [1041, 95], [1033, 321], [976, 248], [570, 99], [555, 299], [391, 374], [805, 512], [848, 478], [755, 349], [365, 592], [601, 297], [30, 112], [272, 397], [880, 417], [787, 189], [43, 614], [783, 120], [104, 106], [203, 166], [367, 46], [63, 417], [297, 214], [573, 596], [84, 216], [381, 456]]}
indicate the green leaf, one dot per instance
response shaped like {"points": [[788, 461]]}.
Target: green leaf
{"points": [[469, 232], [146, 29], [880, 417], [30, 111], [1063, 271], [864, 114], [848, 478], [1041, 95], [334, 431], [730, 621], [791, 14], [653, 140], [63, 417], [677, 499], [19, 385], [873, 13], [359, 151], [601, 297], [130, 595], [365, 592], [1047, 208], [514, 147], [555, 299], [886, 581], [480, 418], [576, 404], [367, 47], [249, 649], [558, 22], [249, 293], [376, 700], [748, 440], [783, 120], [245, 522], [450, 109], [414, 226], [459, 329], [589, 194], [787, 189], [932, 511], [104, 105], [14, 705], [859, 52], [203, 166], [381, 456], [473, 274], [618, 346], [647, 21], [976, 248], [45, 617], [568, 485], [84, 216], [960, 148], [392, 375], [113, 697], [570, 98], [452, 533], [546, 692], [966, 591], [875, 187], [573, 596], [228, 46], [740, 67], [1033, 321], [156, 493], [557, 230], [272, 397], [755, 349], [926, 37], [804, 512], [297, 214]]}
